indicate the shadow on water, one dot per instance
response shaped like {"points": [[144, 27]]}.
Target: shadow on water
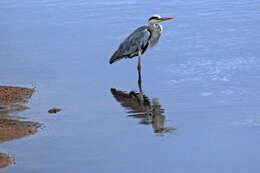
{"points": [[140, 106], [12, 101]]}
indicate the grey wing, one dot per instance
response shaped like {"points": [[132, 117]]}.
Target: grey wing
{"points": [[137, 41]]}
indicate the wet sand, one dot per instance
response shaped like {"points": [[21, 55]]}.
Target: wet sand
{"points": [[12, 102], [5, 160]]}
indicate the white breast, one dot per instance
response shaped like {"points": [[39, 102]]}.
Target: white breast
{"points": [[156, 30]]}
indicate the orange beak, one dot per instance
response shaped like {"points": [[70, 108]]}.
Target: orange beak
{"points": [[166, 18]]}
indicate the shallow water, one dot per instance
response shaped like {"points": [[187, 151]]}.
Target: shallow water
{"points": [[204, 74]]}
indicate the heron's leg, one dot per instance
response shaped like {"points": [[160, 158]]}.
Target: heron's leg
{"points": [[139, 65], [139, 76], [140, 88]]}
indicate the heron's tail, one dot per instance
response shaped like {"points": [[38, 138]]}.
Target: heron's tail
{"points": [[115, 58]]}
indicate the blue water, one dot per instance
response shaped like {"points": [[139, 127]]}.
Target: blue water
{"points": [[204, 73]]}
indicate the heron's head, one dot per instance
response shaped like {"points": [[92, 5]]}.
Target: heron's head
{"points": [[156, 19]]}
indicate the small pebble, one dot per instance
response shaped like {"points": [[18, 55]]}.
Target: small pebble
{"points": [[54, 110]]}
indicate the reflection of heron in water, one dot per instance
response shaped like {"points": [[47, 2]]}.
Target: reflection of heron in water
{"points": [[140, 106]]}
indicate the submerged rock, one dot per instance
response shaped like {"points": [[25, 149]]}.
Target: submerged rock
{"points": [[15, 129]]}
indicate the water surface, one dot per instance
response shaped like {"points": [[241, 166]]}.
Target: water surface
{"points": [[204, 74]]}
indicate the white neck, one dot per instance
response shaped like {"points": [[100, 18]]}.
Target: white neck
{"points": [[152, 23], [156, 26]]}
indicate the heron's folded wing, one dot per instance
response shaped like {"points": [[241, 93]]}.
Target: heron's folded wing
{"points": [[135, 42]]}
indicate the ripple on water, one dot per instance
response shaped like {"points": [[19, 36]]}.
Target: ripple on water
{"points": [[253, 122], [210, 69]]}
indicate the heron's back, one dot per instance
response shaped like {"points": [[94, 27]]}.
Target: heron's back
{"points": [[136, 42]]}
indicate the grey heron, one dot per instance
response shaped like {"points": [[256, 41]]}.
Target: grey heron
{"points": [[137, 42]]}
